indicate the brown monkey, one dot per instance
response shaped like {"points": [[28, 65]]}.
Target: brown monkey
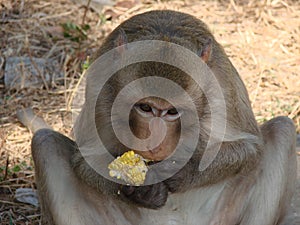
{"points": [[250, 181]]}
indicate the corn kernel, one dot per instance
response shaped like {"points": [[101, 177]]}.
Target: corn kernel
{"points": [[129, 167]]}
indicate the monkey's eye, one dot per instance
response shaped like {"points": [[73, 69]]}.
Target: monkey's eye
{"points": [[172, 111], [145, 107], [172, 114]]}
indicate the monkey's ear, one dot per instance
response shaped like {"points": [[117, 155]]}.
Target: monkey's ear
{"points": [[121, 38], [205, 52]]}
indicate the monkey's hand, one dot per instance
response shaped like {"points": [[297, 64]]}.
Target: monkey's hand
{"points": [[175, 173], [150, 196]]}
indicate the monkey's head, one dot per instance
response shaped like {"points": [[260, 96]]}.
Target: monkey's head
{"points": [[152, 119], [153, 112]]}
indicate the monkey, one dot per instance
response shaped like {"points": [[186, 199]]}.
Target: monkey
{"points": [[250, 181]]}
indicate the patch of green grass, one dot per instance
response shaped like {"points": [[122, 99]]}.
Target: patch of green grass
{"points": [[102, 18], [8, 172], [86, 64], [75, 32]]}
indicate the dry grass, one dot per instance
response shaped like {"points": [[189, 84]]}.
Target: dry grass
{"points": [[262, 38]]}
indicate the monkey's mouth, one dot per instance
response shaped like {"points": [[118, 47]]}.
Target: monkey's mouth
{"points": [[152, 162], [156, 155]]}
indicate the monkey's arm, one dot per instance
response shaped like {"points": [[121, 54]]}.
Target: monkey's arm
{"points": [[56, 182], [277, 172], [264, 195], [64, 198], [233, 158]]}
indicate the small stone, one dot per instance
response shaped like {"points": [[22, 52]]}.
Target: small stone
{"points": [[21, 72]]}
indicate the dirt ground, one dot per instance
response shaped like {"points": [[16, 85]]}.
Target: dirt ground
{"points": [[262, 39]]}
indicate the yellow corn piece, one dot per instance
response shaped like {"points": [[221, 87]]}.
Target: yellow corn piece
{"points": [[130, 167]]}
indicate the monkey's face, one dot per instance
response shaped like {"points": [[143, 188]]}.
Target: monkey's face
{"points": [[156, 123], [164, 120]]}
